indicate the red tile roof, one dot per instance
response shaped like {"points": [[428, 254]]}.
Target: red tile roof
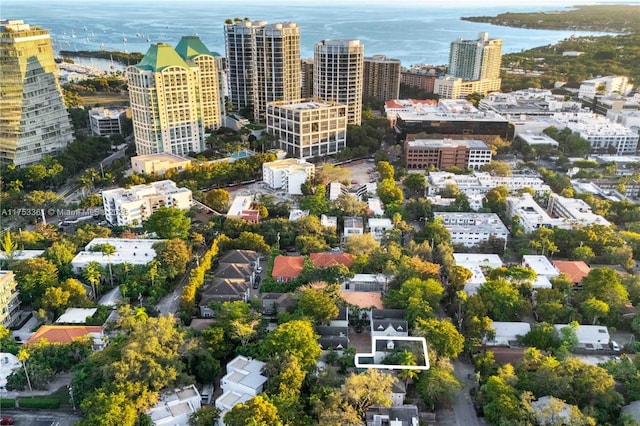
{"points": [[250, 215], [393, 104], [575, 269], [324, 260], [287, 267], [63, 333]]}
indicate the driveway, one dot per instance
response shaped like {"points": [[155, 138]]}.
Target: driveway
{"points": [[462, 405]]}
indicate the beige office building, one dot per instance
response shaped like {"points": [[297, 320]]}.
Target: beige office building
{"points": [[34, 121], [308, 128], [381, 78], [338, 75]]}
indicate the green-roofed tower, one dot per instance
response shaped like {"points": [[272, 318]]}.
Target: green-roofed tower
{"points": [[174, 97]]}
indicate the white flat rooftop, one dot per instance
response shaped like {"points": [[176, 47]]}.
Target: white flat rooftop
{"points": [[76, 315]]}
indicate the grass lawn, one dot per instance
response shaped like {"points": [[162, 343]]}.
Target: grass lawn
{"points": [[63, 395], [105, 99]]}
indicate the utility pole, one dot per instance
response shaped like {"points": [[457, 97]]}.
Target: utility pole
{"points": [[73, 403]]}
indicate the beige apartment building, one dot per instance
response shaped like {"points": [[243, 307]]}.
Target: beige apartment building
{"points": [[308, 128], [338, 74]]}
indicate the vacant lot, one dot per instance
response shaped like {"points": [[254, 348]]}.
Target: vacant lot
{"points": [[105, 99]]}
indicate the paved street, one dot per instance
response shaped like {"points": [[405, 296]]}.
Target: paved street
{"points": [[462, 405], [171, 302], [42, 417]]}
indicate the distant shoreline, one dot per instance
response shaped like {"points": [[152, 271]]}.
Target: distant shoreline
{"points": [[621, 19], [121, 57]]}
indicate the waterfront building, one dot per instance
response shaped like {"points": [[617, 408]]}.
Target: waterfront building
{"points": [[277, 66], [381, 78], [174, 96], [308, 128], [34, 121], [306, 78], [338, 75], [124, 207], [263, 64], [443, 153], [107, 121], [474, 66], [476, 59]]}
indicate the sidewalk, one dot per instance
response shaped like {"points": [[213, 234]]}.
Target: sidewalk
{"points": [[61, 380]]}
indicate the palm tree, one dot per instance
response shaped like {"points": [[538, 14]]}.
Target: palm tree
{"points": [[93, 273], [108, 250], [23, 356], [407, 358]]}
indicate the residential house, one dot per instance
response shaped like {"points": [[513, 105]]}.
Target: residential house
{"points": [[379, 227], [287, 268], [240, 256], [277, 303], [332, 338], [507, 333], [590, 337], [328, 259], [405, 415], [541, 265], [174, 409], [65, 334], [76, 315], [576, 270], [243, 381], [222, 290], [367, 282], [342, 320], [353, 225]]}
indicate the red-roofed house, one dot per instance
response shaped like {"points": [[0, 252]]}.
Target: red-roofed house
{"points": [[65, 334], [576, 270], [325, 260], [287, 268], [250, 215]]}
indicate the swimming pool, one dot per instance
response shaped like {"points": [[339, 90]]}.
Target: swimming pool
{"points": [[241, 154]]}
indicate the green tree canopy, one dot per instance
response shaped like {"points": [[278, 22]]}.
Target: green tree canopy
{"points": [[168, 222]]}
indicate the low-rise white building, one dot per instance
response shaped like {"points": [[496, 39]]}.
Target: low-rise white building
{"points": [[506, 333], [239, 204], [131, 251], [124, 207], [288, 174], [541, 265], [605, 86], [531, 215], [158, 163], [575, 210], [374, 205], [329, 221], [476, 263], [590, 337], [602, 133], [243, 381], [480, 183], [353, 225], [379, 226], [471, 229], [174, 409], [107, 122]]}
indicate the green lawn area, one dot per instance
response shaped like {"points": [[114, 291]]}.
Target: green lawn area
{"points": [[105, 99]]}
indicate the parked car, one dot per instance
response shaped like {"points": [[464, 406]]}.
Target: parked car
{"points": [[6, 421], [615, 346], [259, 270]]}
